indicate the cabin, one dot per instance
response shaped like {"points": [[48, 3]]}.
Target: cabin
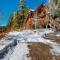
{"points": [[36, 18]]}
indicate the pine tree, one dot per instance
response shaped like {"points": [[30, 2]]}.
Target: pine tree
{"points": [[16, 19], [54, 7], [22, 8], [57, 11], [23, 11]]}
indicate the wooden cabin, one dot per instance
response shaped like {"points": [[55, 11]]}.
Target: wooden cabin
{"points": [[40, 12]]}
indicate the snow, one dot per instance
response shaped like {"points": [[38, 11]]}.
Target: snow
{"points": [[31, 36], [58, 34], [55, 50], [4, 43], [21, 50], [13, 33], [8, 54], [1, 47]]}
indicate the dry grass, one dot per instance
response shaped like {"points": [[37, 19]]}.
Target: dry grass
{"points": [[2, 33]]}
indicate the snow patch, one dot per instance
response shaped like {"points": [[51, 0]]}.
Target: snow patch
{"points": [[58, 34], [20, 52]]}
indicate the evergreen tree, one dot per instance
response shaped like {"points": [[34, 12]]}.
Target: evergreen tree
{"points": [[56, 2], [57, 11], [23, 10], [16, 19], [54, 7]]}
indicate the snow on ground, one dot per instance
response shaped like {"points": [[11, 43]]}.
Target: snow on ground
{"points": [[7, 56], [37, 37], [21, 49], [58, 34], [20, 52], [4, 43]]}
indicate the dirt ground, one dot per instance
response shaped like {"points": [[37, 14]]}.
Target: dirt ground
{"points": [[2, 33], [53, 37], [39, 51]]}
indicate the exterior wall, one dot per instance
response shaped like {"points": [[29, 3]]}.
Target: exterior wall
{"points": [[28, 24], [42, 17]]}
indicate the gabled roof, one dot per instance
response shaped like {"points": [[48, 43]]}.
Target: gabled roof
{"points": [[40, 6]]}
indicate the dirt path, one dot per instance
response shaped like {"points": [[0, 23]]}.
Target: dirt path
{"points": [[53, 37], [40, 51]]}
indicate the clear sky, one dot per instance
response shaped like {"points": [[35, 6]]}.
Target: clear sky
{"points": [[9, 6]]}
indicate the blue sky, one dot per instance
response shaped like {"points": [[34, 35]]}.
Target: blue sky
{"points": [[9, 6]]}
